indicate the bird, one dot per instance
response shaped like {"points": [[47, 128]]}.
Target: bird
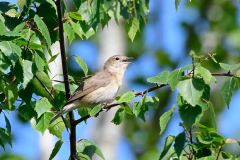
{"points": [[100, 88]]}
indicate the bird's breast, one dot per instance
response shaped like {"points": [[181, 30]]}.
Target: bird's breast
{"points": [[102, 94]]}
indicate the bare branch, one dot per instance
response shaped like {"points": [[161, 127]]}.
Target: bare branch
{"points": [[66, 81]]}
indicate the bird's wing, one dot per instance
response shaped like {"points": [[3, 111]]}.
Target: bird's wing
{"points": [[101, 79]]}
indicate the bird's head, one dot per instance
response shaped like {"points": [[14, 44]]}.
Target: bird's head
{"points": [[117, 63]]}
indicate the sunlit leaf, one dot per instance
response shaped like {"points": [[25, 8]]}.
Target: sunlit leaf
{"points": [[165, 118], [82, 64], [27, 72], [126, 97], [42, 106]]}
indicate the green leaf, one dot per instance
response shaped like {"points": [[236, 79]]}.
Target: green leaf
{"points": [[161, 78], [168, 143], [26, 112], [191, 90], [164, 119], [77, 29], [11, 92], [43, 122], [43, 29], [177, 2], [56, 149], [39, 62], [126, 97], [5, 137], [119, 115], [204, 73], [4, 63], [227, 89], [133, 29], [53, 58], [229, 67], [190, 115], [82, 64], [140, 108], [212, 115], [95, 110], [174, 77], [10, 50], [8, 125], [88, 148], [44, 78], [42, 106], [179, 143], [27, 72], [57, 127], [9, 35], [75, 15], [69, 32]]}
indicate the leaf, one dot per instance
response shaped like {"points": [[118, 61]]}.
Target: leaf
{"points": [[11, 92], [57, 127], [229, 67], [43, 29], [43, 122], [179, 143], [69, 32], [5, 137], [88, 148], [119, 115], [164, 119], [44, 78], [75, 15], [161, 78], [8, 35], [53, 58], [27, 72], [212, 115], [8, 125], [39, 62], [190, 115], [168, 143], [191, 90], [126, 97], [77, 29], [10, 50], [133, 29], [42, 106], [95, 110], [227, 89], [56, 149], [82, 64], [26, 112], [140, 108], [177, 2], [204, 73], [174, 77]]}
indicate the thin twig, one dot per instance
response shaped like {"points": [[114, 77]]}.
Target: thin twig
{"points": [[64, 121], [228, 74], [220, 149], [108, 107], [72, 136]]}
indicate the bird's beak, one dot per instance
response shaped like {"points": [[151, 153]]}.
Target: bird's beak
{"points": [[128, 59]]}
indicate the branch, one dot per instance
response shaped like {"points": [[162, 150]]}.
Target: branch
{"points": [[108, 107], [66, 81], [228, 74]]}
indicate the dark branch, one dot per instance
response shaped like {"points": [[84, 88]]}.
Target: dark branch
{"points": [[108, 107], [228, 74], [66, 81]]}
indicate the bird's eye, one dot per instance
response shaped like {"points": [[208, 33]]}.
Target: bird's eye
{"points": [[117, 58]]}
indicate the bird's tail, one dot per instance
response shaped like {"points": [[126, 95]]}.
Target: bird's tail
{"points": [[66, 108]]}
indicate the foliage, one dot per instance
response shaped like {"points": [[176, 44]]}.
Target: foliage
{"points": [[27, 33]]}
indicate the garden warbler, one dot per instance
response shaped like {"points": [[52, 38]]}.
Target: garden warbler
{"points": [[101, 87]]}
